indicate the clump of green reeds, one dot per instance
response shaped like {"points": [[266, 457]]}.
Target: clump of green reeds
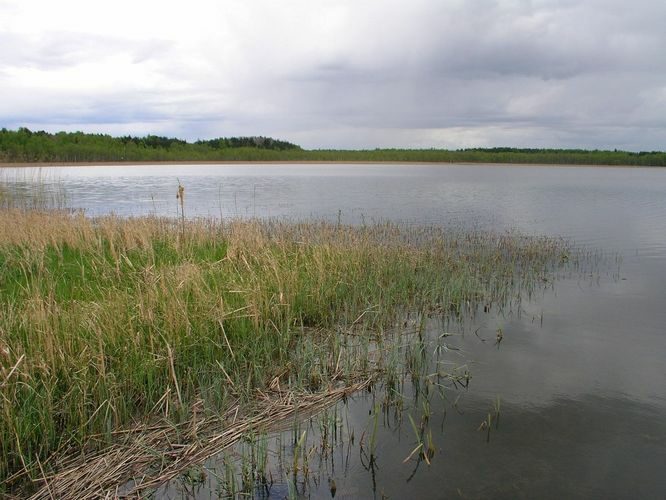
{"points": [[104, 322]]}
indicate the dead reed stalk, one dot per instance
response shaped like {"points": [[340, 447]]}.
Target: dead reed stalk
{"points": [[152, 455]]}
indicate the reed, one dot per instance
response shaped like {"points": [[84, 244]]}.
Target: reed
{"points": [[109, 322], [31, 189]]}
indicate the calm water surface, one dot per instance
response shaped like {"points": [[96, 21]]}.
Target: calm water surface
{"points": [[582, 386]]}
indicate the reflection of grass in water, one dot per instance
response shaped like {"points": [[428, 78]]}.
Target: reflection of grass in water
{"points": [[110, 321], [330, 439], [30, 189], [492, 418], [333, 439]]}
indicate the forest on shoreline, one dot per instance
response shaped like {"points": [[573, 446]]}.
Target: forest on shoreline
{"points": [[26, 146]]}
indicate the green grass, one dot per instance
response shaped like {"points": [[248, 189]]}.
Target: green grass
{"points": [[106, 322]]}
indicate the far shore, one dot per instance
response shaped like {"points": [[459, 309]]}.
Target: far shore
{"points": [[297, 162]]}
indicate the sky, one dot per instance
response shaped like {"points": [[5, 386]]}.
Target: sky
{"points": [[344, 73]]}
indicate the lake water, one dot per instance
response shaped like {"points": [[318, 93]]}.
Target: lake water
{"points": [[581, 372]]}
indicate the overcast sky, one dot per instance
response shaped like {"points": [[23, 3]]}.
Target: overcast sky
{"points": [[342, 73]]}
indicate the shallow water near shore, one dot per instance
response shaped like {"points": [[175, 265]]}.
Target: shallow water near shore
{"points": [[579, 371]]}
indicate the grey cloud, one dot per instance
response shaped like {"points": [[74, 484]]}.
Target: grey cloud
{"points": [[576, 68], [484, 39], [544, 73]]}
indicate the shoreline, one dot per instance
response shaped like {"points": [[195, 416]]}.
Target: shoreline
{"points": [[153, 290], [147, 163]]}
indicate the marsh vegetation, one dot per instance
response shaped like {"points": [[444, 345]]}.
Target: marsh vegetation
{"points": [[126, 343]]}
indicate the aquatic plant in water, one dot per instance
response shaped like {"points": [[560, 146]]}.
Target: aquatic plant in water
{"points": [[150, 334]]}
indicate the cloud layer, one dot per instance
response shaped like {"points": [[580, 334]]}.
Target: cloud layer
{"points": [[424, 73]]}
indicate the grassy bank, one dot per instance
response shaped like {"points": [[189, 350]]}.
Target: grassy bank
{"points": [[109, 322]]}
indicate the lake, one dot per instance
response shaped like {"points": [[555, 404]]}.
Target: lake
{"points": [[580, 372]]}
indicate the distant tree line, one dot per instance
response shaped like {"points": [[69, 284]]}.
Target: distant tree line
{"points": [[249, 142], [23, 145]]}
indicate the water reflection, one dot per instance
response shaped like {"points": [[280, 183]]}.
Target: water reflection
{"points": [[551, 410], [534, 452], [579, 371]]}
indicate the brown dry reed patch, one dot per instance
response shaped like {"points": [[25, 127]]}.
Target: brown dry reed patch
{"points": [[110, 323]]}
